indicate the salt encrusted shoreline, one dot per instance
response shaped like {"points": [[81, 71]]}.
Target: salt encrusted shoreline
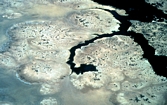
{"points": [[40, 49]]}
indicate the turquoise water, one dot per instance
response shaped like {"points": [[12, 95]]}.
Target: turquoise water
{"points": [[14, 92]]}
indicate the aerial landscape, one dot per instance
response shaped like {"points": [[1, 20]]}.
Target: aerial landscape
{"points": [[83, 52]]}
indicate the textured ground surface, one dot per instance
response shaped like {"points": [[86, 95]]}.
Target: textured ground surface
{"points": [[78, 52]]}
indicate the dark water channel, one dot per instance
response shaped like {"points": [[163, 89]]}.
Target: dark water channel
{"points": [[18, 93], [137, 10]]}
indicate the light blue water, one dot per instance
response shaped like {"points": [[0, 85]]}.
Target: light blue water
{"points": [[16, 92]]}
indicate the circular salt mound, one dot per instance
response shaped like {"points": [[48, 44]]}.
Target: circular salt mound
{"points": [[121, 70], [39, 56], [40, 71], [40, 49]]}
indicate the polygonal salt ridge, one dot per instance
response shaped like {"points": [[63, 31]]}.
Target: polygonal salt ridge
{"points": [[89, 79], [109, 52], [141, 97], [43, 71], [96, 20], [48, 35], [156, 94], [119, 58], [160, 47], [23, 53], [143, 77], [28, 29], [49, 101], [154, 32], [144, 91], [135, 85], [19, 51], [149, 28], [141, 70], [160, 88], [160, 4], [160, 79], [144, 72]]}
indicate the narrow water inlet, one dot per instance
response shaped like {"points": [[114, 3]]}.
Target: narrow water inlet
{"points": [[48, 68]]}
